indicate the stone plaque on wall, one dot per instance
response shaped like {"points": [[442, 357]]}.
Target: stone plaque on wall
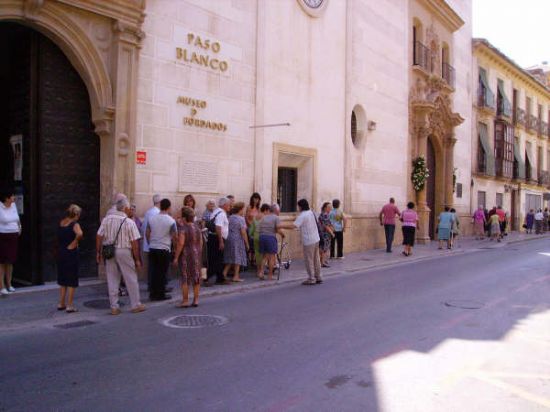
{"points": [[198, 176]]}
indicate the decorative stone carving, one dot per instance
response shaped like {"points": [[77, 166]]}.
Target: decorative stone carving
{"points": [[32, 7], [128, 33], [123, 145]]}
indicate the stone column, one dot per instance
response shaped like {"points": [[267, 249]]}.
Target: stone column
{"points": [[423, 231], [449, 170], [125, 70]]}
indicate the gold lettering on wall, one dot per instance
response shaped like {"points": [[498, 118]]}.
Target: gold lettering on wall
{"points": [[203, 60], [195, 105]]}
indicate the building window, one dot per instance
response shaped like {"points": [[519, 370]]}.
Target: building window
{"points": [[504, 108], [504, 149], [459, 190], [287, 189], [485, 96], [481, 200], [528, 174], [500, 199], [354, 128], [533, 202], [485, 153]]}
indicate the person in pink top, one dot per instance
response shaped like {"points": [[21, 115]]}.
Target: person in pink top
{"points": [[409, 218], [479, 223], [387, 219]]}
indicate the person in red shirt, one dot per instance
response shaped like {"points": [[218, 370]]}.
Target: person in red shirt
{"points": [[387, 217], [502, 220]]}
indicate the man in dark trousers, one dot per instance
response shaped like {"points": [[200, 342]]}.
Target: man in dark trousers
{"points": [[161, 233], [387, 219]]}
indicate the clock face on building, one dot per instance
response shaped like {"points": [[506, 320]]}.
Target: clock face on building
{"points": [[314, 4]]}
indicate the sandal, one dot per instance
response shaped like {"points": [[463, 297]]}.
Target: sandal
{"points": [[237, 280], [195, 305], [182, 305], [309, 282], [59, 307], [71, 309]]}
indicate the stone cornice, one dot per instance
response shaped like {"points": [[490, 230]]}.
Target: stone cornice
{"points": [[482, 47], [129, 11], [444, 13]]}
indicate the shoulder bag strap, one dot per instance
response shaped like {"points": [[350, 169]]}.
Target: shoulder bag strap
{"points": [[118, 232]]}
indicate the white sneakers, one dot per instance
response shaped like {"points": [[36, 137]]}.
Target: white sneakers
{"points": [[7, 291]]}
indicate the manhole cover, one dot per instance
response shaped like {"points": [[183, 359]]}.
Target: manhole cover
{"points": [[77, 324], [464, 304], [194, 321], [100, 304]]}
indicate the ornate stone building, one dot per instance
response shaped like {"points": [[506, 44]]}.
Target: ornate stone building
{"points": [[319, 99]]}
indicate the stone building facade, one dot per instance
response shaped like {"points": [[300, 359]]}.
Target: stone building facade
{"points": [[319, 99], [510, 151]]}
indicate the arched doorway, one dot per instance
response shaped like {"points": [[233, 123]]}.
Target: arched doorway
{"points": [[46, 107], [430, 185]]}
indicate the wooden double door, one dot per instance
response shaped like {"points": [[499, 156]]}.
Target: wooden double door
{"points": [[48, 150]]}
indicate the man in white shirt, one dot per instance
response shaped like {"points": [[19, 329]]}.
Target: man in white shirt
{"points": [[307, 223], [161, 233], [117, 229], [217, 234], [155, 210]]}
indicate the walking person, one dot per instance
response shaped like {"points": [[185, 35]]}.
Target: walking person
{"points": [[306, 222], [326, 233], [502, 220], [529, 221], [69, 234], [444, 227], [479, 223], [539, 217], [188, 257], [161, 233], [269, 226], [254, 234], [153, 211], [251, 216], [338, 221], [455, 229], [495, 227], [545, 220], [118, 230], [218, 229], [409, 218], [387, 217], [236, 245], [10, 230]]}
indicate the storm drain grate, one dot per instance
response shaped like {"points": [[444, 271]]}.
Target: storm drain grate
{"points": [[464, 304], [77, 324], [194, 321], [100, 304]]}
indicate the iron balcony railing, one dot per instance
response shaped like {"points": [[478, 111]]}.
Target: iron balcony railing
{"points": [[448, 74], [422, 56], [532, 122], [543, 128], [520, 117], [544, 178], [504, 108], [485, 98]]}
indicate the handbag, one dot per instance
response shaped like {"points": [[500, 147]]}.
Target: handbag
{"points": [[108, 251]]}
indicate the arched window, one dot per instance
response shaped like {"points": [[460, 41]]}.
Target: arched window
{"points": [[417, 46]]}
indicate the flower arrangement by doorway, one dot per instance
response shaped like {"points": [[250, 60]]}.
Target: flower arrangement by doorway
{"points": [[420, 173]]}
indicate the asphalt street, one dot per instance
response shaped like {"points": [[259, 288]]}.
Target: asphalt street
{"points": [[461, 333]]}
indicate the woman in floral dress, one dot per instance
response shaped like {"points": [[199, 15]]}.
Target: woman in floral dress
{"points": [[189, 255], [236, 245], [326, 232]]}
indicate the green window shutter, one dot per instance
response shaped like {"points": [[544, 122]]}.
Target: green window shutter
{"points": [[489, 152], [519, 159], [507, 106]]}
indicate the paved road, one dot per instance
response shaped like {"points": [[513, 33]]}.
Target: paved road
{"points": [[389, 340]]}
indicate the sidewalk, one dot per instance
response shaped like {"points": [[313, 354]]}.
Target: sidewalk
{"points": [[33, 305]]}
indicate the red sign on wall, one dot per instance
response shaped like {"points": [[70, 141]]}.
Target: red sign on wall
{"points": [[141, 158]]}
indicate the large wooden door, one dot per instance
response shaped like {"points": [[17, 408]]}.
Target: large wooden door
{"points": [[61, 152], [430, 186]]}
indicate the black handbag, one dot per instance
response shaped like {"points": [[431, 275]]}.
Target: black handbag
{"points": [[108, 251]]}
